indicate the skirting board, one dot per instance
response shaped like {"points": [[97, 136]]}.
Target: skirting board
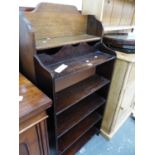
{"points": [[110, 135]]}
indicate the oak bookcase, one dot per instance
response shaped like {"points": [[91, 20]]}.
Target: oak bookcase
{"points": [[60, 35]]}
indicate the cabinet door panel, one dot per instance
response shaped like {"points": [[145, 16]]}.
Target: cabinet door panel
{"points": [[107, 11], [129, 90], [127, 95], [29, 142], [23, 149]]}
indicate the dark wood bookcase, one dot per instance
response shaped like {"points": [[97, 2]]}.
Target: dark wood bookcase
{"points": [[78, 92]]}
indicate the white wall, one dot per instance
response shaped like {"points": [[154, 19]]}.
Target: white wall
{"points": [[33, 3]]}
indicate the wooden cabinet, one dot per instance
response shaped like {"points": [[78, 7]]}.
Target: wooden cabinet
{"points": [[72, 67], [114, 14], [120, 102], [33, 139]]}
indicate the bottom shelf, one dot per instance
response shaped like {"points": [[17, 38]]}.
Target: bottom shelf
{"points": [[76, 146], [78, 131]]}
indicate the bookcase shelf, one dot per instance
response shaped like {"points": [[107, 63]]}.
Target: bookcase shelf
{"points": [[72, 95], [75, 133], [81, 110], [79, 63], [80, 142], [47, 43]]}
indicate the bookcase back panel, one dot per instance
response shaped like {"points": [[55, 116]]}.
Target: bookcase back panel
{"points": [[65, 53], [51, 7], [60, 24], [65, 82]]}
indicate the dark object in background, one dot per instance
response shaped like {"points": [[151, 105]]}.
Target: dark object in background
{"points": [[122, 42]]}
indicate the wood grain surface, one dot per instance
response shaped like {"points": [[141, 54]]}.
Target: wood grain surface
{"points": [[33, 102], [113, 13]]}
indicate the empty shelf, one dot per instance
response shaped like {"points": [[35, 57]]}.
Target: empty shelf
{"points": [[47, 43], [81, 63], [75, 133], [77, 113], [70, 96], [76, 146]]}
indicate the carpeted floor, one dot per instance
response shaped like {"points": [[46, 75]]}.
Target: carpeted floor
{"points": [[123, 142]]}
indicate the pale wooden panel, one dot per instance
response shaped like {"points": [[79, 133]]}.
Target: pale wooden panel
{"points": [[41, 21], [126, 96], [126, 57], [114, 94], [116, 12], [121, 94], [133, 19], [129, 88], [127, 12], [112, 13], [107, 11], [93, 7], [118, 125]]}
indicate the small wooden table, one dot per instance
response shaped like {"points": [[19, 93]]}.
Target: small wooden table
{"points": [[33, 139]]}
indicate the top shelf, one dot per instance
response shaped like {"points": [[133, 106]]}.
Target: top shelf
{"points": [[47, 43], [80, 63]]}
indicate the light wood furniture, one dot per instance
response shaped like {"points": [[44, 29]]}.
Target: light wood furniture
{"points": [[64, 36], [33, 139], [114, 14], [120, 102]]}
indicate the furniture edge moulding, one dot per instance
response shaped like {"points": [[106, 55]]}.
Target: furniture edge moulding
{"points": [[26, 47]]}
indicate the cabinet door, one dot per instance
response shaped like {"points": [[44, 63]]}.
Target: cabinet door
{"points": [[127, 96], [34, 141], [129, 88], [29, 142]]}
